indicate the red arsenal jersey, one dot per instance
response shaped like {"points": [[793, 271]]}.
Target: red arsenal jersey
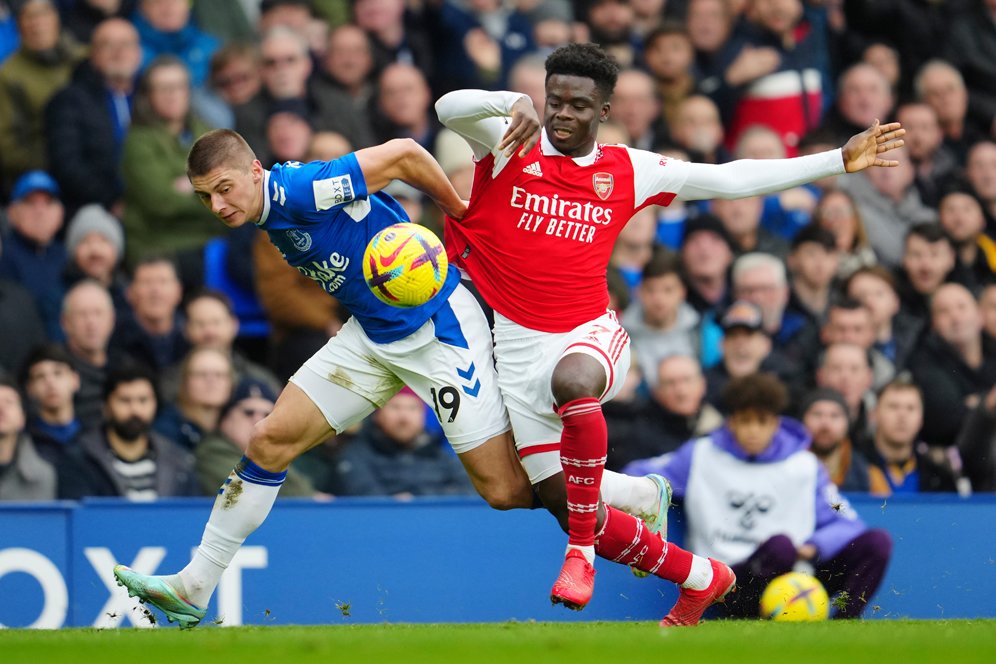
{"points": [[540, 229]]}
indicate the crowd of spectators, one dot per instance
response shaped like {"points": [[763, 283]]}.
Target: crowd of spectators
{"points": [[140, 339]]}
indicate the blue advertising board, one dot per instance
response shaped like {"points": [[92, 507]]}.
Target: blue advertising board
{"points": [[438, 560]]}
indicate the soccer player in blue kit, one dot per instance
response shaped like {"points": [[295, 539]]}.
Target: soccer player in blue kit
{"points": [[321, 215]]}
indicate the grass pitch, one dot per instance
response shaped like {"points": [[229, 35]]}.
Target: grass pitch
{"points": [[881, 642]]}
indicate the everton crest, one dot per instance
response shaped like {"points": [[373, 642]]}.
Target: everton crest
{"points": [[300, 239], [602, 182]]}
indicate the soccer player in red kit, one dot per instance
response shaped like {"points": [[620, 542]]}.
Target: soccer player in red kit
{"points": [[545, 209]]}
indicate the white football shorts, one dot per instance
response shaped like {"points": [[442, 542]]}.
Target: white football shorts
{"points": [[448, 362], [526, 359]]}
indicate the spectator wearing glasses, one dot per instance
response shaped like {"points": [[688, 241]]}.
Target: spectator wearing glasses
{"points": [[234, 79], [206, 379], [285, 71]]}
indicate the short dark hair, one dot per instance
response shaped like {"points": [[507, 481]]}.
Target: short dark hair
{"points": [[929, 231], [128, 372], [815, 234], [662, 262], [219, 148], [847, 304], [758, 392], [45, 353], [817, 138], [665, 29], [587, 61], [211, 294]]}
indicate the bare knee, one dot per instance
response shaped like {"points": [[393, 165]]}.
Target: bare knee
{"points": [[577, 376], [269, 447]]}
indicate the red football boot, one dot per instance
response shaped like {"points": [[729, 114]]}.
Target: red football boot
{"points": [[691, 604], [576, 582]]}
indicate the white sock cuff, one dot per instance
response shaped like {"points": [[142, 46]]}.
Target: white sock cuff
{"points": [[588, 551]]}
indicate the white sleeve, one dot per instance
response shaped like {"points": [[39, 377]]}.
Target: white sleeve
{"points": [[656, 178], [752, 177], [481, 117]]}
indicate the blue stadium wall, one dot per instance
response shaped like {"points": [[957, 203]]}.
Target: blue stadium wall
{"points": [[374, 561]]}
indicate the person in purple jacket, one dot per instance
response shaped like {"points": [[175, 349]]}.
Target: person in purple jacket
{"points": [[756, 498]]}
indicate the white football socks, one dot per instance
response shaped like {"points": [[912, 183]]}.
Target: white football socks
{"points": [[636, 496], [588, 551], [700, 576], [241, 507]]}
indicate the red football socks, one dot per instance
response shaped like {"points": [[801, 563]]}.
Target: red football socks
{"points": [[625, 539], [582, 455]]}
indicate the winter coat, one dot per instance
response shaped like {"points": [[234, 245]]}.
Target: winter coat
{"points": [[28, 477], [375, 465], [83, 150], [157, 217], [27, 82]]}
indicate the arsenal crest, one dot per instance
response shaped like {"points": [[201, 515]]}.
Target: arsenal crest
{"points": [[602, 182]]}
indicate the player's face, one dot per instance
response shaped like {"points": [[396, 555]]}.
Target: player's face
{"points": [[232, 194], [574, 107]]}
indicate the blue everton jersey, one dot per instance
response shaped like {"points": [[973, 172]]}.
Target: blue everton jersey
{"points": [[321, 217]]}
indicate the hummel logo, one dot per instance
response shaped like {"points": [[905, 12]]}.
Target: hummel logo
{"points": [[533, 169]]}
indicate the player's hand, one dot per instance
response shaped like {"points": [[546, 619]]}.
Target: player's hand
{"points": [[524, 130], [807, 552], [863, 149], [752, 63]]}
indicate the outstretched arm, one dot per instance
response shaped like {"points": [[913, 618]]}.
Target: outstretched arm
{"points": [[751, 177], [404, 159], [491, 121]]}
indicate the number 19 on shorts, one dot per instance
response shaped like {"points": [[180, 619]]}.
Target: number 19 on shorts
{"points": [[448, 399]]}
